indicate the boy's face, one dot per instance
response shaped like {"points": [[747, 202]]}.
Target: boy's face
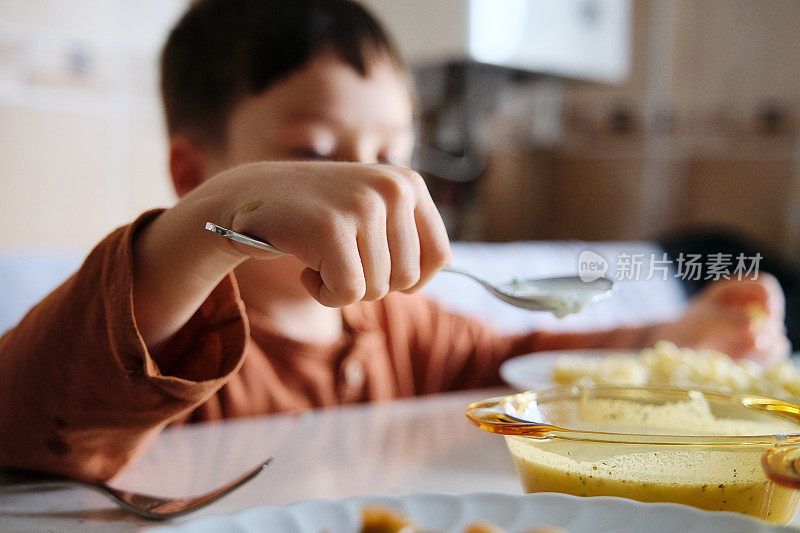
{"points": [[324, 111]]}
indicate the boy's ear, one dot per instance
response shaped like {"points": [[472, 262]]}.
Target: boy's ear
{"points": [[187, 164]]}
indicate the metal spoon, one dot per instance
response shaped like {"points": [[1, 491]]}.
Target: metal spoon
{"points": [[560, 296], [143, 505]]}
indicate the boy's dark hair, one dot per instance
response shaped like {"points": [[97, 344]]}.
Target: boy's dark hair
{"points": [[223, 50]]}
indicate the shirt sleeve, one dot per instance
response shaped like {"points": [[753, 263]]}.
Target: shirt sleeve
{"points": [[80, 393], [452, 351]]}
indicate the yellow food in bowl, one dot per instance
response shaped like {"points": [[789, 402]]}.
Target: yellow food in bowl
{"points": [[700, 476], [666, 364], [690, 447], [749, 493]]}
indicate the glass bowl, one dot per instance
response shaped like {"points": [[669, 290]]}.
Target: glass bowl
{"points": [[704, 449]]}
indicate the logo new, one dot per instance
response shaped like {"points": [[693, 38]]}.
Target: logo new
{"points": [[591, 266]]}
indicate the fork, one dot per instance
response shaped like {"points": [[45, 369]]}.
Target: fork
{"points": [[144, 505]]}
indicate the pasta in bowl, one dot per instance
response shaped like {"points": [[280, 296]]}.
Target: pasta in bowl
{"points": [[668, 365]]}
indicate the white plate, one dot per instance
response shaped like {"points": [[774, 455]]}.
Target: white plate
{"points": [[533, 371], [452, 512]]}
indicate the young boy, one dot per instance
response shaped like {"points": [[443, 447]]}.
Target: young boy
{"points": [[166, 322]]}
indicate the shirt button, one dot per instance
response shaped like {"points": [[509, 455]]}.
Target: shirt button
{"points": [[354, 374]]}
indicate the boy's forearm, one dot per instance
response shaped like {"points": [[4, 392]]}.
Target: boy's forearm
{"points": [[177, 263]]}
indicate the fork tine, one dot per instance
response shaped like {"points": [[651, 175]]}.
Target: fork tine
{"points": [[159, 508]]}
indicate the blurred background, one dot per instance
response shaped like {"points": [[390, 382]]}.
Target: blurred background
{"points": [[676, 121]]}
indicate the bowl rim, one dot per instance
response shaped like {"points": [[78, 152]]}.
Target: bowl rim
{"points": [[490, 415]]}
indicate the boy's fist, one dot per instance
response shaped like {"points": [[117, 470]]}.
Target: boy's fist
{"points": [[360, 230]]}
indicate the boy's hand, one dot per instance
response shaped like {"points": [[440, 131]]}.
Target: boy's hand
{"points": [[740, 318], [360, 230]]}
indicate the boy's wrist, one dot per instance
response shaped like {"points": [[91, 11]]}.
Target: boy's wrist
{"points": [[177, 263], [194, 211]]}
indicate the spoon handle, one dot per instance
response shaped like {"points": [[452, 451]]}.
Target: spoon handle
{"points": [[242, 238], [456, 270]]}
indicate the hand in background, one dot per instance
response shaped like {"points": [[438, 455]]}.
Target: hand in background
{"points": [[740, 318]]}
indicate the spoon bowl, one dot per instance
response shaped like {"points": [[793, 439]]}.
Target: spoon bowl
{"points": [[559, 295]]}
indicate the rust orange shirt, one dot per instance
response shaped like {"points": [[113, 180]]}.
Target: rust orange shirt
{"points": [[81, 395]]}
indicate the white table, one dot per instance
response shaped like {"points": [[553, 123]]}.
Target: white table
{"points": [[423, 444]]}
